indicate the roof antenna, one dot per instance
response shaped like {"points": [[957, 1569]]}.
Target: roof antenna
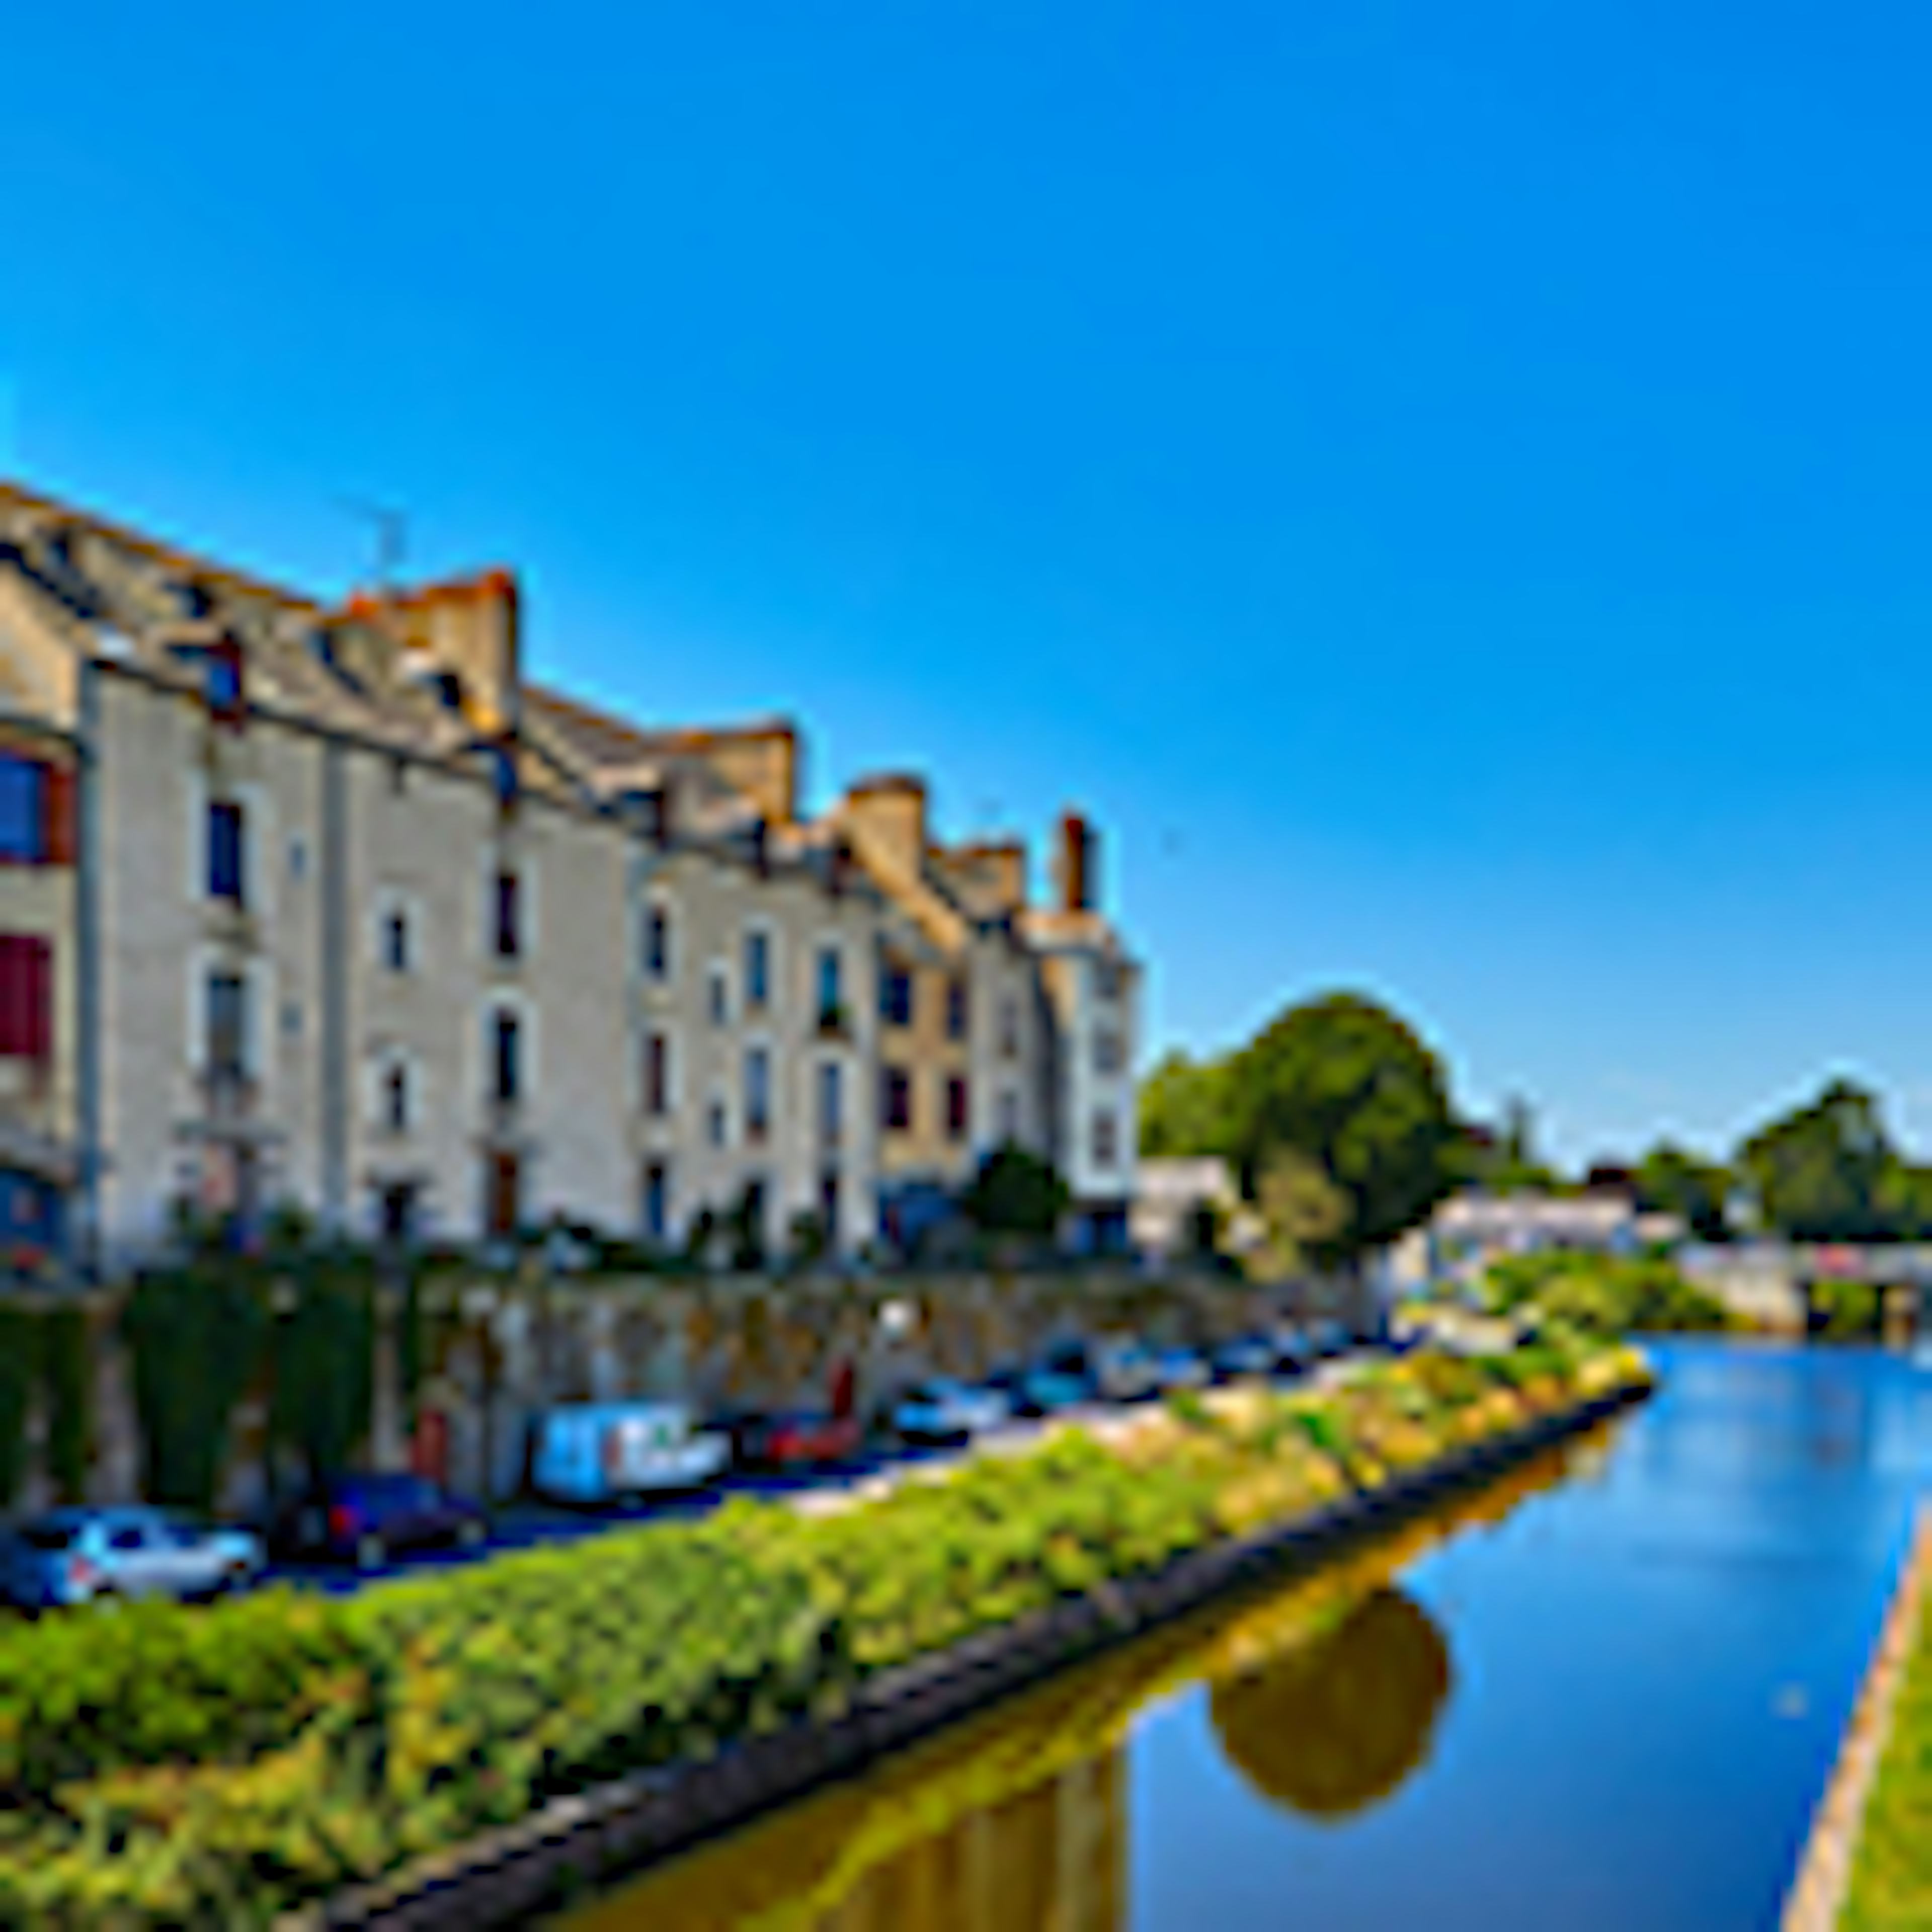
{"points": [[391, 528]]}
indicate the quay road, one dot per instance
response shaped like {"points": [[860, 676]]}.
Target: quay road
{"points": [[528, 1526]]}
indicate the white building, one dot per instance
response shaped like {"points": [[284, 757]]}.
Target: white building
{"points": [[330, 907]]}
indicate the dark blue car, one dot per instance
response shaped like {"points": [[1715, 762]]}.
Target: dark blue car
{"points": [[364, 1520]]}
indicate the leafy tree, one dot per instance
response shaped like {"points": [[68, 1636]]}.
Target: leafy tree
{"points": [[1504, 1158], [1905, 1200], [1603, 1295], [1184, 1107], [1016, 1192], [1343, 1082], [1307, 1215], [744, 1231], [1670, 1180], [1819, 1172]]}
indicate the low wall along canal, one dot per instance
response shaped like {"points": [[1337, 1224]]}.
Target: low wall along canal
{"points": [[1604, 1691]]}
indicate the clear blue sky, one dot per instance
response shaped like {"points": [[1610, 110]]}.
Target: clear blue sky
{"points": [[1451, 486]]}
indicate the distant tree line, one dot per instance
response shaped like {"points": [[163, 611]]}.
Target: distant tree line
{"points": [[1338, 1122]]}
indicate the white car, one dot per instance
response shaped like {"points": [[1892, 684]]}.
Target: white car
{"points": [[70, 1556], [617, 1452], [942, 1410]]}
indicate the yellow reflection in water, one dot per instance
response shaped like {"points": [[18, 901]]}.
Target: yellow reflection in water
{"points": [[1324, 1695], [1335, 1726]]}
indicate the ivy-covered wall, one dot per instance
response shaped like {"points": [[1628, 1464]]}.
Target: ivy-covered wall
{"points": [[223, 1383]]}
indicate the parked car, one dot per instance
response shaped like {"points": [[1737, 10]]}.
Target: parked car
{"points": [[1293, 1351], [1180, 1369], [364, 1520], [1033, 1390], [1114, 1369], [72, 1556], [616, 1452], [792, 1438], [940, 1409], [1330, 1339], [1247, 1355]]}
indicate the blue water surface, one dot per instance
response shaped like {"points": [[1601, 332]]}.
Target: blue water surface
{"points": [[1649, 1665]]}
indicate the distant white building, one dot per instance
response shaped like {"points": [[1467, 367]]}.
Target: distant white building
{"points": [[1169, 1190]]}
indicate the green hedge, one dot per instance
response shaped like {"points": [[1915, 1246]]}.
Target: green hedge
{"points": [[214, 1766]]}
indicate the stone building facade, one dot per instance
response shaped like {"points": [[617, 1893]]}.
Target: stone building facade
{"points": [[330, 906]]}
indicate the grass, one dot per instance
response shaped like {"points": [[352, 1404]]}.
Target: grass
{"points": [[1891, 1872]]}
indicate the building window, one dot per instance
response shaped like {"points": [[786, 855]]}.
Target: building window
{"points": [[657, 1074], [714, 1123], [718, 996], [227, 1022], [502, 1195], [397, 1209], [509, 922], [227, 851], [30, 1210], [831, 990], [755, 1217], [758, 1093], [506, 1057], [956, 1008], [657, 1200], [1009, 1028], [23, 810], [396, 940], [657, 943], [831, 1103], [896, 994], [26, 997], [896, 1099], [1009, 1119], [828, 1208], [758, 969], [955, 1109], [1107, 1054], [396, 1097], [221, 682], [1105, 1139], [37, 812], [1109, 979]]}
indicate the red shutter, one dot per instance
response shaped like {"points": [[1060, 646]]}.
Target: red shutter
{"points": [[40, 1005], [57, 839], [26, 998], [12, 979]]}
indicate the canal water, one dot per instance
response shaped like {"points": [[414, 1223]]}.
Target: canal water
{"points": [[1605, 1693]]}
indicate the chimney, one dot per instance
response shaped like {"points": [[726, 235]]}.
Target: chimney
{"points": [[470, 626], [1079, 863], [992, 874], [885, 817], [761, 761]]}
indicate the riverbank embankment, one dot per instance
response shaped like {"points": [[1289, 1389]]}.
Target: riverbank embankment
{"points": [[1868, 1864]]}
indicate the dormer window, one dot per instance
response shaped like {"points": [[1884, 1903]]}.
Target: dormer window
{"points": [[650, 810]]}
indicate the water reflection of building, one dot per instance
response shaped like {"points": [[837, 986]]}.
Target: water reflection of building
{"points": [[1052, 1859]]}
